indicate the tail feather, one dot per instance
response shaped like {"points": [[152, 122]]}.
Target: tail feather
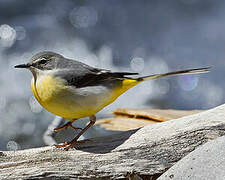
{"points": [[183, 72]]}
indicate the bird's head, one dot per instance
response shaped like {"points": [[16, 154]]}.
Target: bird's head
{"points": [[42, 61]]}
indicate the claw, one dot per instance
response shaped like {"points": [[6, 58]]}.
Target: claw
{"points": [[74, 142], [61, 145], [68, 145]]}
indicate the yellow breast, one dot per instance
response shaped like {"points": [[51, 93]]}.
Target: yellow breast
{"points": [[47, 87], [73, 103], [49, 93], [69, 102]]}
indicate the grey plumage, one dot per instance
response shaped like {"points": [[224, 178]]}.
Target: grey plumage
{"points": [[81, 75], [76, 73], [90, 89]]}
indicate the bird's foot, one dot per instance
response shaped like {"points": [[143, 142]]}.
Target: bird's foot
{"points": [[65, 126], [73, 143]]}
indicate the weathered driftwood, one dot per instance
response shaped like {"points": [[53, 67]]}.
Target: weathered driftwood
{"points": [[124, 120], [158, 115], [148, 151], [128, 119]]}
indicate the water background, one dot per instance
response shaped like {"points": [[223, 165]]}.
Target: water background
{"points": [[143, 36]]}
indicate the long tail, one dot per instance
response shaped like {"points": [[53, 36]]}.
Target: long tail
{"points": [[184, 72], [128, 83]]}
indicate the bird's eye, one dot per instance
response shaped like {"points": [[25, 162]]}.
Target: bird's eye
{"points": [[43, 61]]}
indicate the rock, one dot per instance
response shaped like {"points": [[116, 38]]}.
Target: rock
{"points": [[146, 152], [206, 162]]}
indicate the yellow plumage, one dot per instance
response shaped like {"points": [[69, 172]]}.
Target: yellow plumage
{"points": [[70, 102], [62, 100], [126, 85], [74, 90]]}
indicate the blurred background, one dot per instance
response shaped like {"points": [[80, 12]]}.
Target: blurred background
{"points": [[143, 36]]}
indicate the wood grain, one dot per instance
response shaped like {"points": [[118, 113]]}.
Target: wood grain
{"points": [[148, 151], [127, 119]]}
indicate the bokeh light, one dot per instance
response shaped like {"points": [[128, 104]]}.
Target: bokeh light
{"points": [[212, 93], [12, 146], [7, 35], [162, 87], [137, 64], [214, 96], [83, 17], [188, 82], [145, 37], [156, 65]]}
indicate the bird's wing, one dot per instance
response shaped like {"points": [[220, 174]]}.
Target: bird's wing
{"points": [[81, 75]]}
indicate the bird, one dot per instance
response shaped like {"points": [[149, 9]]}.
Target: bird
{"points": [[73, 90]]}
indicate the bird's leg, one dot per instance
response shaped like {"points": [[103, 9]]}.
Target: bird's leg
{"points": [[68, 145], [91, 123], [65, 126]]}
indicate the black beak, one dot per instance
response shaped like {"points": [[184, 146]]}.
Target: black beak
{"points": [[22, 66]]}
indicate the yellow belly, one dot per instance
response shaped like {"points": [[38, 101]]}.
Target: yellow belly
{"points": [[72, 103]]}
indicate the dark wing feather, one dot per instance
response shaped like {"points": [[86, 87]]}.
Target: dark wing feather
{"points": [[86, 78], [122, 74], [81, 75]]}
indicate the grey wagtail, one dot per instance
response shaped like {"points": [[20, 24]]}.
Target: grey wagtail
{"points": [[74, 90]]}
